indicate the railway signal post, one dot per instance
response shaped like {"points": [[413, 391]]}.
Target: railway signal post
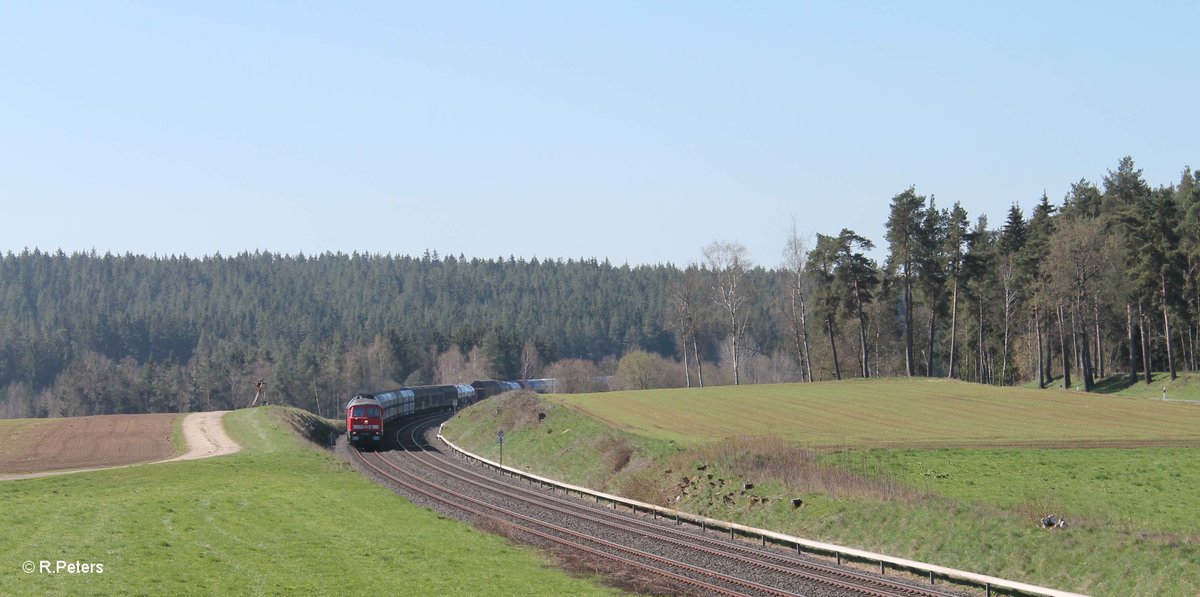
{"points": [[500, 438]]}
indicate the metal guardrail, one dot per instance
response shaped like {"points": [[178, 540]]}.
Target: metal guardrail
{"points": [[987, 583]]}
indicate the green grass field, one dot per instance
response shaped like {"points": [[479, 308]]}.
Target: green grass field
{"points": [[278, 518], [1185, 387], [883, 466], [894, 412], [1149, 490]]}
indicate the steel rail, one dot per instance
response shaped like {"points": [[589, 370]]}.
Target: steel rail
{"points": [[808, 570], [569, 544]]}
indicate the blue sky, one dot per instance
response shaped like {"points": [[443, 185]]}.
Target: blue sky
{"points": [[633, 131]]}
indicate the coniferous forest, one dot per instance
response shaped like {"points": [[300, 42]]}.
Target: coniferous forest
{"points": [[1104, 282]]}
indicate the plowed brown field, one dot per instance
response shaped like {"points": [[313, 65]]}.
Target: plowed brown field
{"points": [[86, 442]]}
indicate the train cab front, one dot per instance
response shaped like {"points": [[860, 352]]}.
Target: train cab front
{"points": [[364, 422]]}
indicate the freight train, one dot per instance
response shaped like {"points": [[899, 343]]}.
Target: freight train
{"points": [[367, 414]]}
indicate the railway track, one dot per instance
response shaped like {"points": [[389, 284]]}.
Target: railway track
{"points": [[704, 564]]}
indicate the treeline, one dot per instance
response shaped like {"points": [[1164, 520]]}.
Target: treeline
{"points": [[90, 334], [1104, 281]]}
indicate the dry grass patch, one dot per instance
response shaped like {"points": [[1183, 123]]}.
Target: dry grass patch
{"points": [[310, 427], [765, 459], [515, 410]]}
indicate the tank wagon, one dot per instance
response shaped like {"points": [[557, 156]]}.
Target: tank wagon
{"points": [[541, 386], [488, 388]]}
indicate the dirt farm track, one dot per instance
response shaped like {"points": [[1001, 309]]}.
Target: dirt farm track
{"points": [[33, 447]]}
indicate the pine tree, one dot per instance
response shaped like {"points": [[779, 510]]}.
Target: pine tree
{"points": [[1029, 265], [904, 237], [956, 239], [1124, 210], [856, 277], [821, 268]]}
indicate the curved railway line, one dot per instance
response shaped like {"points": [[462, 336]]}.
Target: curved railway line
{"points": [[694, 562]]}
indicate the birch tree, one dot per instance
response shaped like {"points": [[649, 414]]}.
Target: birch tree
{"points": [[796, 309], [729, 262], [686, 303]]}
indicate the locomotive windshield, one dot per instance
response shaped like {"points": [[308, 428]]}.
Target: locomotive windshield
{"points": [[365, 411]]}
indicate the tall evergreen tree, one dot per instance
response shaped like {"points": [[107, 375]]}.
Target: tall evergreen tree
{"points": [[1159, 262], [980, 288], [822, 263], [931, 264], [502, 349], [904, 238], [956, 239], [1029, 262], [1187, 199], [856, 277], [1010, 243], [1124, 210]]}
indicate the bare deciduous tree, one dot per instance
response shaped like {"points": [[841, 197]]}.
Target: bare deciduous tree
{"points": [[1008, 284], [729, 262], [796, 308], [1080, 264], [452, 367], [795, 256], [531, 361], [575, 376], [685, 297]]}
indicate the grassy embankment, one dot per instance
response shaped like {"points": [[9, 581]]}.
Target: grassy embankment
{"points": [[278, 518], [950, 473]]}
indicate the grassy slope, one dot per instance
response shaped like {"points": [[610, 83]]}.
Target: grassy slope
{"points": [[177, 437], [1185, 387], [568, 446], [975, 509], [277, 518], [1144, 489]]}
